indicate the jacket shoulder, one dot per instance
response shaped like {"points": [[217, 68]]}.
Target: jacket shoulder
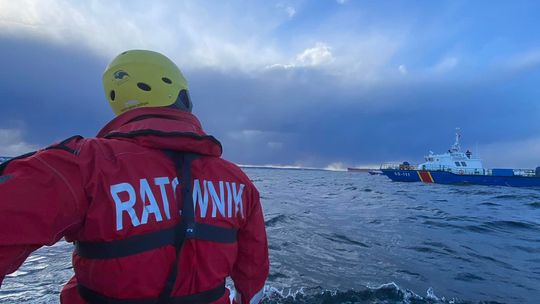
{"points": [[226, 168], [4, 165], [71, 145], [238, 170]]}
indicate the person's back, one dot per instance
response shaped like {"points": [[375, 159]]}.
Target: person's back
{"points": [[121, 197]]}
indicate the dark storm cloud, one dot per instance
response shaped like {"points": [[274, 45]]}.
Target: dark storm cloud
{"points": [[298, 116], [318, 122], [54, 91]]}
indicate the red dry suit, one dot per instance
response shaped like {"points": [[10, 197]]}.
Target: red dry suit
{"points": [[119, 197]]}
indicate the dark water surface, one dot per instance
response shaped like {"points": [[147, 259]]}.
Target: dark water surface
{"points": [[339, 237]]}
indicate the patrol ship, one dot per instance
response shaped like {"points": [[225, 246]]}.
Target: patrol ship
{"points": [[457, 167]]}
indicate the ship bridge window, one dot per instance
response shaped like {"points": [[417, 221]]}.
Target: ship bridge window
{"points": [[457, 164], [464, 164]]}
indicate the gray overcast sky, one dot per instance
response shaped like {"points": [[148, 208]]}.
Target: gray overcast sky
{"points": [[307, 83]]}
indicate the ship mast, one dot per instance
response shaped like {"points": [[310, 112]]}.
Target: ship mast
{"points": [[456, 147]]}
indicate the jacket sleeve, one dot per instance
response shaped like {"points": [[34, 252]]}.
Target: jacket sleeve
{"points": [[41, 201], [251, 268]]}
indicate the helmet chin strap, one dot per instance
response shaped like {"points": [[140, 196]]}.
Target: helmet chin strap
{"points": [[183, 102]]}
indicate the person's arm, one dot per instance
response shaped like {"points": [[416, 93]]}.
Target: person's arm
{"points": [[41, 200], [252, 265]]}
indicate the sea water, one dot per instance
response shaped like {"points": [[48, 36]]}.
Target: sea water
{"points": [[342, 237]]}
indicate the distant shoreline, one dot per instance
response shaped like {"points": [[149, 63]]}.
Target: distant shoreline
{"points": [[270, 167], [365, 170], [283, 168]]}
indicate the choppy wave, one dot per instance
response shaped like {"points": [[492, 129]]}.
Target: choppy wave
{"points": [[534, 205], [337, 237], [385, 293]]}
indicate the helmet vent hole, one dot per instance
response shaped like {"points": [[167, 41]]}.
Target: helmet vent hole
{"points": [[112, 94], [166, 80], [143, 86]]}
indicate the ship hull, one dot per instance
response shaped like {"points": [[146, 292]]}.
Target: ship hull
{"points": [[442, 177]]}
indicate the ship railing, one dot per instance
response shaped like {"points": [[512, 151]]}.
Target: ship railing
{"points": [[524, 172], [471, 171], [398, 166], [517, 172], [459, 171]]}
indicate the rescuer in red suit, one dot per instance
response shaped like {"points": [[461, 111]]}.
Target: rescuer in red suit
{"points": [[155, 214]]}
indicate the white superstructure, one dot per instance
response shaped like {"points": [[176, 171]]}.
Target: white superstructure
{"points": [[454, 160]]}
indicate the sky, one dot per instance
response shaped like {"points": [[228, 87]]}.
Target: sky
{"points": [[326, 84]]}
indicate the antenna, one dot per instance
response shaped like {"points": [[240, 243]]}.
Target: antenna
{"points": [[456, 147]]}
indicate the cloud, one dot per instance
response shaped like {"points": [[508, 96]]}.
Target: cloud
{"points": [[445, 65], [197, 36], [13, 144], [246, 135], [275, 145], [335, 92], [403, 70], [192, 34], [528, 59], [290, 11], [318, 55], [510, 154]]}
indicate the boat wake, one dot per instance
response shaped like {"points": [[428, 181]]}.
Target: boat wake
{"points": [[385, 293]]}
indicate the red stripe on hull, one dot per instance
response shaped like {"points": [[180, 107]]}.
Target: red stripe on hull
{"points": [[425, 176]]}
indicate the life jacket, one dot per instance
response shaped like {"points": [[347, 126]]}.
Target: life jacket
{"points": [[134, 258], [187, 228], [117, 197]]}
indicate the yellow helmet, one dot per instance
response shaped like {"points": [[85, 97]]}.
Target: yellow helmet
{"points": [[140, 78]]}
